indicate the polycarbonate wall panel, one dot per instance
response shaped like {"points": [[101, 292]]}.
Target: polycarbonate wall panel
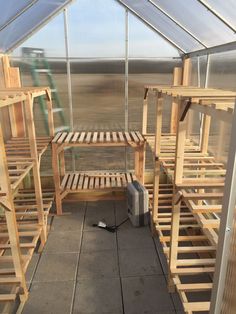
{"points": [[222, 72], [28, 21], [59, 74], [198, 20], [162, 23], [226, 9], [96, 29], [98, 94]]}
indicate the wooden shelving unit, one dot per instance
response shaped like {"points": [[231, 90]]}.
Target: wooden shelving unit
{"points": [[186, 209], [24, 212], [66, 183]]}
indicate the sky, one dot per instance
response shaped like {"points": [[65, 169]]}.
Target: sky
{"points": [[97, 30]]}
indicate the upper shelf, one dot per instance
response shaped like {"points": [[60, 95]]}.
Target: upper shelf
{"points": [[192, 92], [10, 96], [134, 138]]}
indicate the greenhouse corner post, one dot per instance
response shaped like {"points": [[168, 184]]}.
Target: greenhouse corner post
{"points": [[69, 79], [126, 80], [226, 224]]}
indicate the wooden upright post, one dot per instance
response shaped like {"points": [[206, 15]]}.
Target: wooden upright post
{"points": [[145, 111], [186, 81], [36, 169], [178, 175], [177, 80], [11, 221], [57, 179], [157, 166], [16, 114]]}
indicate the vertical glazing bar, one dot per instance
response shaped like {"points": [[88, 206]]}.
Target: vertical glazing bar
{"points": [[70, 100], [226, 222], [126, 79], [198, 72], [68, 70]]}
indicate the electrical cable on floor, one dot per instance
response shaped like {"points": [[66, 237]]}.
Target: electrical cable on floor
{"points": [[103, 225]]}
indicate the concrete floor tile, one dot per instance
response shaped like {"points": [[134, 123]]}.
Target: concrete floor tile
{"points": [[146, 295], [98, 297], [98, 264], [161, 255], [31, 268], [63, 242], [98, 241], [56, 267], [75, 208], [103, 212], [134, 238], [177, 302], [67, 222], [50, 298], [139, 262]]}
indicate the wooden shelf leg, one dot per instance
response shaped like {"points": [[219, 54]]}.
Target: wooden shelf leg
{"points": [[11, 221], [62, 163], [177, 80], [145, 111], [56, 176], [36, 169], [205, 133], [157, 167], [139, 163], [50, 113], [178, 175]]}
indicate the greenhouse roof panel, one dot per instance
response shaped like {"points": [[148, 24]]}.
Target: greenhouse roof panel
{"points": [[24, 17], [191, 26]]}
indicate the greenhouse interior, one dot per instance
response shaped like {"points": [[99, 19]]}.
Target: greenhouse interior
{"points": [[118, 157]]}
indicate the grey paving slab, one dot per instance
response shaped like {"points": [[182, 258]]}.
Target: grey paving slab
{"points": [[134, 238], [63, 242], [32, 268], [103, 211], [67, 222], [56, 267], [98, 240], [76, 208], [177, 302], [98, 264], [147, 295], [49, 298], [120, 210], [161, 255], [139, 262], [98, 296]]}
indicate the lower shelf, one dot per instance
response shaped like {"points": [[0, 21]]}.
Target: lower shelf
{"points": [[195, 263], [83, 181], [29, 232]]}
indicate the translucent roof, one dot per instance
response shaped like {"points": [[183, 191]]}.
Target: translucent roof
{"points": [[20, 18], [192, 26]]}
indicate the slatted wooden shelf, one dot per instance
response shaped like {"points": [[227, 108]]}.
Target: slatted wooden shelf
{"points": [[194, 193], [83, 181], [195, 252], [167, 146], [29, 233], [134, 138], [26, 207], [18, 168], [19, 159], [66, 183], [23, 216], [197, 93], [19, 146]]}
